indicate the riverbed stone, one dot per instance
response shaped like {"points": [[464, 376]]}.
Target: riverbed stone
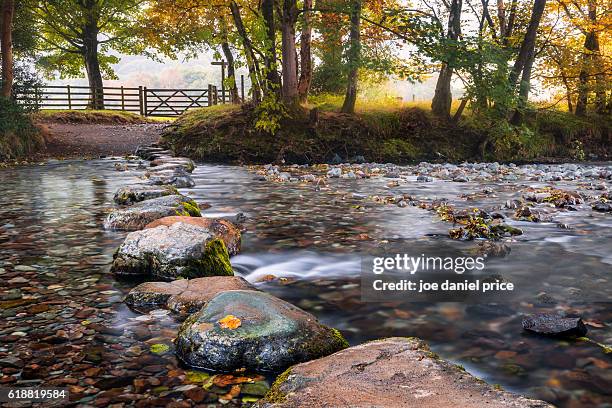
{"points": [[394, 372], [177, 177], [140, 214], [128, 195], [268, 334], [184, 162], [167, 253], [183, 296], [224, 229], [555, 324]]}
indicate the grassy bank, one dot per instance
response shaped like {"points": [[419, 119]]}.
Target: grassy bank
{"points": [[19, 137], [386, 131], [104, 117]]}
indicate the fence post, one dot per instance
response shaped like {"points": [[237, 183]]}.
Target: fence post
{"points": [[144, 99], [122, 99], [216, 93], [242, 87], [140, 105], [69, 98], [210, 96]]}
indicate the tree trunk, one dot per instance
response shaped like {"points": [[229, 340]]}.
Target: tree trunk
{"points": [[354, 57], [272, 78], [290, 81], [524, 88], [590, 48], [231, 72], [305, 54], [8, 9], [92, 63], [443, 99], [249, 54], [528, 45]]}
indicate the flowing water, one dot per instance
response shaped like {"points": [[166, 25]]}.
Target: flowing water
{"points": [[64, 320]]}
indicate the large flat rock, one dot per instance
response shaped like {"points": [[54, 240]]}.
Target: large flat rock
{"points": [[224, 229], [184, 296], [140, 214], [395, 372], [167, 253], [253, 330], [135, 193]]}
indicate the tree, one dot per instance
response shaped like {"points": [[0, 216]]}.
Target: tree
{"points": [[289, 53], [442, 100], [353, 58], [80, 34], [305, 53], [8, 10]]}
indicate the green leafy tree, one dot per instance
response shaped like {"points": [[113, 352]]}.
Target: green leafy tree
{"points": [[79, 35]]}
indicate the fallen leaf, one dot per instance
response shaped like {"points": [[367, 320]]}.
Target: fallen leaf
{"points": [[230, 322]]}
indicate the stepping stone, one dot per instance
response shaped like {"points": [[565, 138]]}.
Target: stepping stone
{"points": [[167, 253], [184, 296], [254, 330], [224, 229], [178, 178], [184, 162], [554, 324], [129, 195], [394, 372], [140, 214]]}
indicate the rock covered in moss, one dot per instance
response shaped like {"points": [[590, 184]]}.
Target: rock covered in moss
{"points": [[167, 253], [140, 214], [183, 296], [554, 324], [128, 195], [393, 372], [224, 229], [266, 334]]}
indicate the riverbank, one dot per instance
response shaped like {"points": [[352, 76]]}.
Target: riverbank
{"points": [[397, 134]]}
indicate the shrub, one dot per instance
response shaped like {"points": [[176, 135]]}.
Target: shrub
{"points": [[19, 137]]}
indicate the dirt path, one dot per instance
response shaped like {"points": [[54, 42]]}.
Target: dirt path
{"points": [[96, 140]]}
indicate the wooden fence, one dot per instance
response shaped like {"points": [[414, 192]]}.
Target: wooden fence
{"points": [[142, 100]]}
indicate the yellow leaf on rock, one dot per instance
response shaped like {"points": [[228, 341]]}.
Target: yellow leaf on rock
{"points": [[230, 322]]}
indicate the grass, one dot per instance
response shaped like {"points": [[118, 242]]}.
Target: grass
{"points": [[385, 130], [94, 116]]}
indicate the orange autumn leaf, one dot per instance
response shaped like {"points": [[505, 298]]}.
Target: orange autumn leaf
{"points": [[230, 322]]}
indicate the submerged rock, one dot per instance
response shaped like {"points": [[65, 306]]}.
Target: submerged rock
{"points": [[183, 296], [140, 214], [183, 162], [602, 207], [177, 177], [167, 253], [394, 372], [224, 229], [266, 333], [128, 195], [553, 324]]}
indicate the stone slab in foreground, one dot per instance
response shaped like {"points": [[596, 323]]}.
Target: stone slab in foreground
{"points": [[394, 372]]}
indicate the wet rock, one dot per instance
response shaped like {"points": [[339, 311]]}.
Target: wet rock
{"points": [[602, 207], [224, 229], [182, 296], [424, 179], [166, 253], [269, 334], [173, 162], [336, 172], [11, 361], [394, 372], [128, 195], [138, 215], [147, 151], [178, 178], [553, 324]]}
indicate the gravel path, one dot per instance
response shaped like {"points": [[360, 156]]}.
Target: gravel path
{"points": [[96, 140]]}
